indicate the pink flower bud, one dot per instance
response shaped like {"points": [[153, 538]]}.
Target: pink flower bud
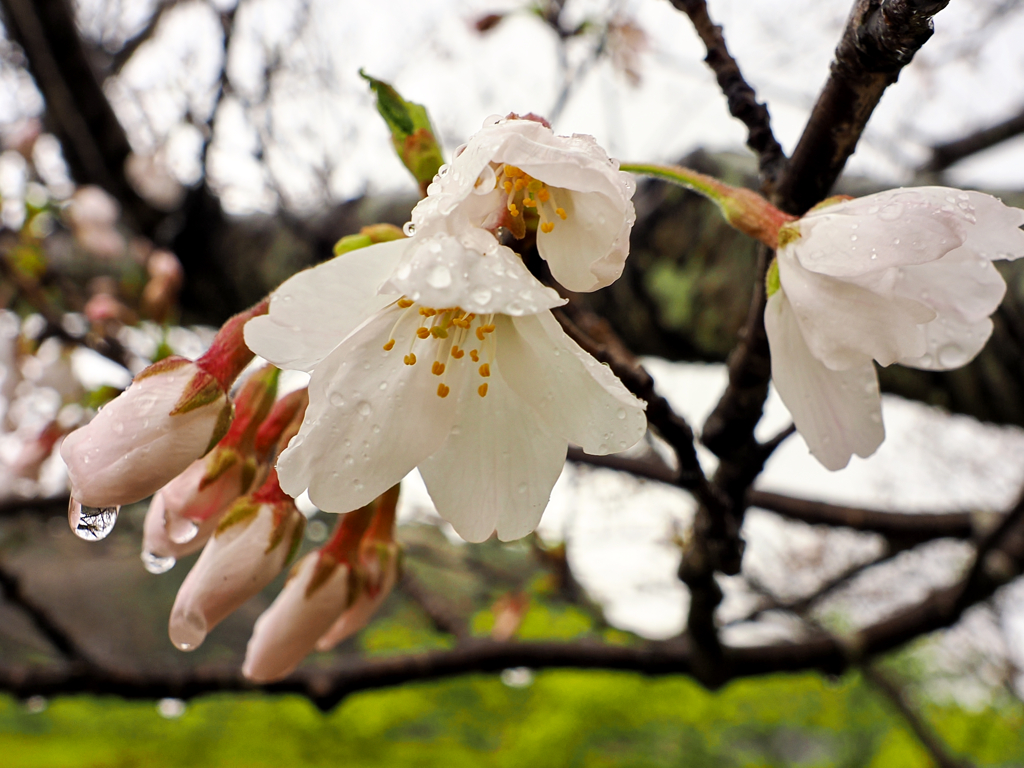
{"points": [[172, 414], [320, 588], [251, 545]]}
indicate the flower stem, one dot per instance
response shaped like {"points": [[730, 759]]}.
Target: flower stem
{"points": [[742, 208]]}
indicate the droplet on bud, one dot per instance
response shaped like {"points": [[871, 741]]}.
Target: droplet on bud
{"points": [[156, 564], [91, 523], [180, 530]]}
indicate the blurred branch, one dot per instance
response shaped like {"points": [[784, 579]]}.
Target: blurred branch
{"points": [[928, 738], [650, 466], [743, 103], [40, 505], [444, 616], [57, 637], [77, 111], [881, 37], [945, 155]]}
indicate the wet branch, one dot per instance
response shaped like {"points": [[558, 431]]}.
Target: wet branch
{"points": [[945, 155], [743, 103], [443, 616], [40, 618]]}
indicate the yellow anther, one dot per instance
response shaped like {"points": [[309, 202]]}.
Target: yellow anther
{"points": [[410, 359], [480, 335], [474, 355], [508, 187], [485, 370], [489, 328], [547, 226], [561, 213], [544, 195], [428, 312], [437, 368], [482, 390], [520, 184], [457, 353], [390, 345], [529, 202], [438, 332], [512, 172], [405, 303], [513, 210], [423, 332], [442, 390]]}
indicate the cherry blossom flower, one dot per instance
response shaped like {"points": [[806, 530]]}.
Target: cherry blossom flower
{"points": [[252, 543], [903, 276], [516, 168], [456, 366], [320, 588], [174, 412]]}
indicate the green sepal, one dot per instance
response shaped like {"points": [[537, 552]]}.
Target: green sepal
{"points": [[171, 363], [411, 132], [202, 390], [322, 571], [296, 542], [828, 202], [277, 535], [368, 235], [352, 243], [249, 469], [222, 426], [219, 461], [772, 284], [788, 233], [242, 511]]}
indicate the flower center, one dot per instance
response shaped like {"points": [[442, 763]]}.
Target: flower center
{"points": [[522, 192], [446, 334]]}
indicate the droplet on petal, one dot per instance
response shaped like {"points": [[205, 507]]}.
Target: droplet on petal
{"points": [[156, 564], [91, 523]]}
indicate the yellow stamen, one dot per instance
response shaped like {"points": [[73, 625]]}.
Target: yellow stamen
{"points": [[427, 311], [512, 172], [438, 332], [508, 187], [457, 353], [485, 370], [410, 359], [547, 226], [405, 303], [437, 368], [390, 345], [561, 213], [513, 210], [442, 390], [529, 202], [423, 332], [482, 390], [520, 184], [544, 195], [474, 355]]}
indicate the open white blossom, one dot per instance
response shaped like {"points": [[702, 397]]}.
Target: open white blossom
{"points": [[514, 166], [903, 276], [456, 366]]}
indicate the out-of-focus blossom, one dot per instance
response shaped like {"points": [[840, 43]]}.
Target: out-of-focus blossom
{"points": [[903, 276], [92, 215], [319, 589], [160, 294], [252, 543], [174, 412], [154, 182], [627, 42]]}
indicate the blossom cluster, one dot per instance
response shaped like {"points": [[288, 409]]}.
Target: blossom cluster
{"points": [[436, 348]]}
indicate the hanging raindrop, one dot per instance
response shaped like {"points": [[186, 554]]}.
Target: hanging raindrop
{"points": [[156, 564], [91, 523]]}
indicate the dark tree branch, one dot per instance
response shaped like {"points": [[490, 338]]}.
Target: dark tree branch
{"points": [[903, 527], [443, 616], [743, 103], [650, 467], [945, 155], [928, 738], [881, 37], [41, 620], [119, 59], [95, 145], [39, 505]]}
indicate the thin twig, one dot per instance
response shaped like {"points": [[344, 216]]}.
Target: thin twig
{"points": [[61, 640]]}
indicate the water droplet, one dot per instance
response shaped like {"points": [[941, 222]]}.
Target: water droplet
{"points": [[853, 238], [876, 417], [118, 428], [874, 256], [376, 429], [444, 170], [950, 355], [621, 413], [409, 229], [180, 530], [336, 399], [891, 212], [440, 277], [91, 523], [156, 564], [357, 484], [170, 709], [522, 488], [602, 449], [481, 296], [456, 430], [349, 461], [383, 386], [187, 631], [364, 408], [895, 241]]}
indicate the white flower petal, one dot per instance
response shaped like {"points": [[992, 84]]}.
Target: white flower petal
{"points": [[845, 325], [838, 413], [472, 272], [371, 419], [574, 395], [313, 311], [497, 467], [997, 233], [870, 234], [588, 250]]}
